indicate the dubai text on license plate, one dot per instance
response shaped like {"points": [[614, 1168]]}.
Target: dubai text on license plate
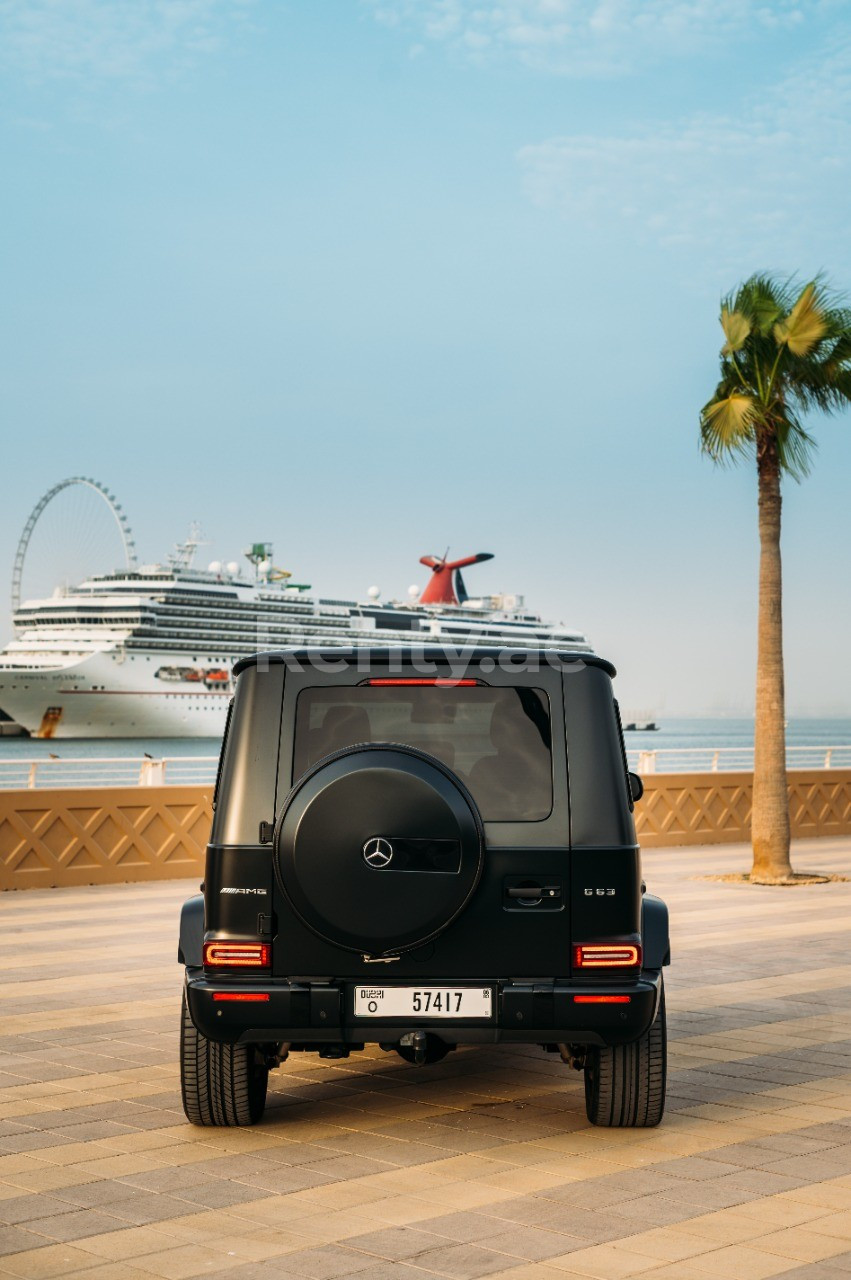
{"points": [[423, 1002]]}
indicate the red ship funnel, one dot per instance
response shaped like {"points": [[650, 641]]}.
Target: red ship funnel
{"points": [[446, 586]]}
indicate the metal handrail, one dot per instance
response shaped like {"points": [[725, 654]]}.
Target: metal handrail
{"points": [[128, 771], [106, 771]]}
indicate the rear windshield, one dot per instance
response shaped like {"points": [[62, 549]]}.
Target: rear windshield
{"points": [[496, 740]]}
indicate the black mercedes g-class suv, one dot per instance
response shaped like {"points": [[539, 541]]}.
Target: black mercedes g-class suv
{"points": [[423, 849]]}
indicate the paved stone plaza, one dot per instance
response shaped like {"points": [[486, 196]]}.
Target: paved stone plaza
{"points": [[481, 1166]]}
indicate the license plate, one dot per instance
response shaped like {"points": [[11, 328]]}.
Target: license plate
{"points": [[423, 1002]]}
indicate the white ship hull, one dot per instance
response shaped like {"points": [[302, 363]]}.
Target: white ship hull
{"points": [[103, 697]]}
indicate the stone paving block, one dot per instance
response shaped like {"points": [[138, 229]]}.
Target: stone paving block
{"points": [[183, 1261], [49, 1262], [834, 1224], [21, 1209], [326, 1261], [247, 1271], [76, 1225], [131, 1242], [396, 1243], [606, 1262], [466, 1226], [804, 1244], [842, 1262], [113, 1271], [462, 1261], [682, 1270], [818, 1271], [533, 1243], [653, 1211], [218, 1194], [147, 1207], [90, 1195], [16, 1239]]}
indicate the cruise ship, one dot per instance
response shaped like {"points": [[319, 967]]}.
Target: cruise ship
{"points": [[147, 652]]}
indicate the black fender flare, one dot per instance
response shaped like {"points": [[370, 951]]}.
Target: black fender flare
{"points": [[654, 932], [190, 950]]}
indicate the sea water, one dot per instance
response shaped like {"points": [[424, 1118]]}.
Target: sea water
{"points": [[709, 733]]}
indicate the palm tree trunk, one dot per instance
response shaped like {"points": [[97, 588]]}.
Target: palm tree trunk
{"points": [[770, 818]]}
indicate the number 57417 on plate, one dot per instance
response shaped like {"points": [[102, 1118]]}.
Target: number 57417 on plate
{"points": [[423, 1002]]}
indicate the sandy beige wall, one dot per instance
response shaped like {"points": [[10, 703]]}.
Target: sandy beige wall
{"points": [[104, 835], [108, 835], [715, 808]]}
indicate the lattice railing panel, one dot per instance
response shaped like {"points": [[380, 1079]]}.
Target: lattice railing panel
{"points": [[102, 836], [715, 808]]}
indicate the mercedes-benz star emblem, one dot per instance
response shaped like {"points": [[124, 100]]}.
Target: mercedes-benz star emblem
{"points": [[377, 852]]}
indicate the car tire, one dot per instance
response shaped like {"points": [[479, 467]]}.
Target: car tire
{"points": [[221, 1084], [625, 1083]]}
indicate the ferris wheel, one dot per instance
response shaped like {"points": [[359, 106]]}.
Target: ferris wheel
{"points": [[70, 534]]}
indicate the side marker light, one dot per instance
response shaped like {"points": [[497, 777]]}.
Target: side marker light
{"points": [[241, 997], [601, 999]]}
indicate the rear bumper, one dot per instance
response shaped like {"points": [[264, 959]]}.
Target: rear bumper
{"points": [[322, 1013]]}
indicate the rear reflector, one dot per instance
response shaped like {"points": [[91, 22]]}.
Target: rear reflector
{"points": [[438, 683], [242, 997], [601, 999], [236, 955], [606, 956]]}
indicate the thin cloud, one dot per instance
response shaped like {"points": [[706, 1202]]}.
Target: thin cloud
{"points": [[773, 179], [587, 37], [92, 41]]}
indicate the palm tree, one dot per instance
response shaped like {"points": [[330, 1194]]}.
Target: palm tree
{"points": [[787, 351]]}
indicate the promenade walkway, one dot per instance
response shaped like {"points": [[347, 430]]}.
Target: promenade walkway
{"points": [[480, 1166]]}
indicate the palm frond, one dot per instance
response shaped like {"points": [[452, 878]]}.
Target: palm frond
{"points": [[728, 425], [825, 387], [737, 327], [763, 299], [795, 447], [840, 353], [805, 325]]}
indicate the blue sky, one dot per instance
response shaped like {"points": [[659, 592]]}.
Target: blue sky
{"points": [[367, 278]]}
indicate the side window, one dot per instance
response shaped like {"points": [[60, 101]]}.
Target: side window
{"points": [[222, 754], [623, 757]]}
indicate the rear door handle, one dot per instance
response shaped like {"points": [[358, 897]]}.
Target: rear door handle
{"points": [[534, 891]]}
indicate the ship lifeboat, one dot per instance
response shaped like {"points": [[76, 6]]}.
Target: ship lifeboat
{"points": [[176, 674], [216, 675]]}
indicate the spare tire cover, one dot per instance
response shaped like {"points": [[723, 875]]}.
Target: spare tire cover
{"points": [[379, 848]]}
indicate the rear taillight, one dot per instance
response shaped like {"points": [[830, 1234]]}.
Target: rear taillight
{"points": [[604, 955], [236, 955]]}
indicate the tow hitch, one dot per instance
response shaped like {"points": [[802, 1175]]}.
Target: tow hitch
{"points": [[417, 1042]]}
